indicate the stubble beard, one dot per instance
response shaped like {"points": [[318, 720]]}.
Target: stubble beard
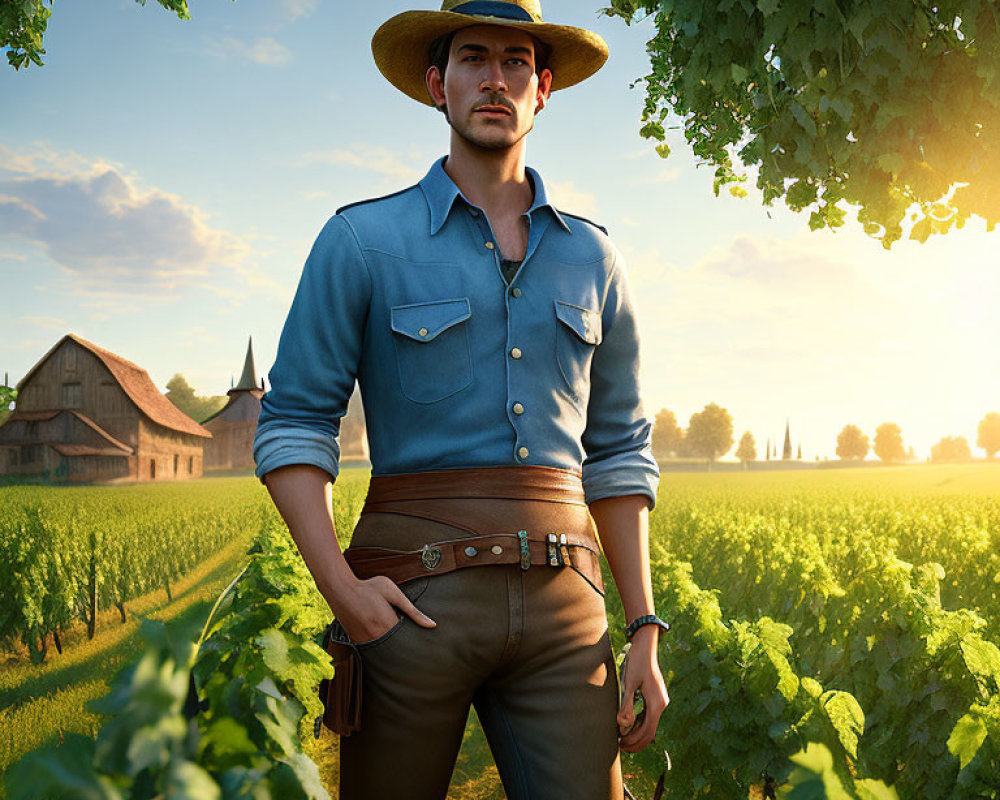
{"points": [[481, 142]]}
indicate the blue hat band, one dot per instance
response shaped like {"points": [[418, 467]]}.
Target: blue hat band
{"points": [[490, 8]]}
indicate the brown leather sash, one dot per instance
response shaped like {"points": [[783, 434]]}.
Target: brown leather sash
{"points": [[503, 483], [531, 516]]}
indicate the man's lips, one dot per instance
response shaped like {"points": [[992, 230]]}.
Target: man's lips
{"points": [[492, 110]]}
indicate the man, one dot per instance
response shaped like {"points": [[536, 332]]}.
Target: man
{"points": [[495, 344]]}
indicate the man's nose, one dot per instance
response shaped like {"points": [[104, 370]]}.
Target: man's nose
{"points": [[493, 78]]}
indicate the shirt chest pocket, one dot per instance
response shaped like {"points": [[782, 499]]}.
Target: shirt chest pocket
{"points": [[578, 332], [432, 348]]}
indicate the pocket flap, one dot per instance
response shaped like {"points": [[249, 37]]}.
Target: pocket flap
{"points": [[586, 324], [423, 321]]}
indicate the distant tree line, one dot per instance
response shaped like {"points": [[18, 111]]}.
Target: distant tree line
{"points": [[182, 395], [709, 435]]}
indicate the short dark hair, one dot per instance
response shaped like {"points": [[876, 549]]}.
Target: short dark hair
{"points": [[440, 49]]}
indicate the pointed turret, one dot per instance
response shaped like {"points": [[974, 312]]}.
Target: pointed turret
{"points": [[248, 380], [786, 452]]}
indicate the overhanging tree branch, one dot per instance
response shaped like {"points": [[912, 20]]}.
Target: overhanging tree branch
{"points": [[891, 107]]}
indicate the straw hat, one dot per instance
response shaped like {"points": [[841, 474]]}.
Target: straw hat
{"points": [[401, 46]]}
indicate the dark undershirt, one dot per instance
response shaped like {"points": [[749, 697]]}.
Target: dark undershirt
{"points": [[508, 268]]}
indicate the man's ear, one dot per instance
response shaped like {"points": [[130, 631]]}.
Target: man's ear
{"points": [[544, 90], [435, 85]]}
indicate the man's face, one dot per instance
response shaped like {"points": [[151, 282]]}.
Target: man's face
{"points": [[490, 86]]}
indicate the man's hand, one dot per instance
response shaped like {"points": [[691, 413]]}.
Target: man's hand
{"points": [[367, 608], [642, 671]]}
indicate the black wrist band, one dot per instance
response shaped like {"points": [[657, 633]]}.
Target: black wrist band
{"points": [[646, 619]]}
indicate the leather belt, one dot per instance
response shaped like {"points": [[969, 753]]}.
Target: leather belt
{"points": [[516, 515], [508, 483]]}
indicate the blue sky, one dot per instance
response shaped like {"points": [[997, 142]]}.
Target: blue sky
{"points": [[161, 182]]}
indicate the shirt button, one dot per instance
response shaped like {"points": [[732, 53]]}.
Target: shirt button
{"points": [[522, 452], [474, 211], [515, 352], [518, 408], [516, 292], [422, 331], [489, 245]]}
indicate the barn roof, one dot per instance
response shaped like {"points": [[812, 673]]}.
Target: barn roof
{"points": [[137, 384], [84, 450], [103, 433], [32, 416], [36, 416], [243, 407]]}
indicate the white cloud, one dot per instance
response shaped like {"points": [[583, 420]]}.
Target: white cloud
{"points": [[264, 50], [565, 196], [50, 323], [380, 160], [105, 232], [662, 175], [298, 8]]}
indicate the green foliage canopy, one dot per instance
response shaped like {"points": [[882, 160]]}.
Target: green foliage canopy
{"points": [[182, 395], [893, 107], [852, 444], [710, 432], [23, 23], [988, 436], [889, 442]]}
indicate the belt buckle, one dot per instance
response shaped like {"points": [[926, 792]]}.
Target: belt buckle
{"points": [[564, 550], [553, 551], [525, 554]]}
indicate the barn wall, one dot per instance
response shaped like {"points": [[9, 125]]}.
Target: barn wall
{"points": [[40, 460], [231, 445], [86, 469], [167, 448], [32, 460]]}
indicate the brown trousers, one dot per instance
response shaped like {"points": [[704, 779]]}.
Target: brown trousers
{"points": [[528, 648]]}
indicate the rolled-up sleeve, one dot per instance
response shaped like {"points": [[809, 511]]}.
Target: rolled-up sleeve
{"points": [[618, 436], [318, 354]]}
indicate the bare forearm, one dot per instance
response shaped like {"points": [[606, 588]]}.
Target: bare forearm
{"points": [[302, 494], [623, 527]]}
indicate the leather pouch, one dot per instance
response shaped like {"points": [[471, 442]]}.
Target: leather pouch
{"points": [[341, 694]]}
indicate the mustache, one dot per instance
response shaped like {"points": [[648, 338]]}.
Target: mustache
{"points": [[496, 99]]}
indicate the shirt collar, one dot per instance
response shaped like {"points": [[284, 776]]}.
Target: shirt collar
{"points": [[440, 191]]}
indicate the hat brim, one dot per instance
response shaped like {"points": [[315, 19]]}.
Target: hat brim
{"points": [[402, 44]]}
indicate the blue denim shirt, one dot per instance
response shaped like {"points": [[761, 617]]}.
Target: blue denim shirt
{"points": [[457, 368]]}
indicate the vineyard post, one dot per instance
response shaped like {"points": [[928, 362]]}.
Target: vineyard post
{"points": [[92, 588]]}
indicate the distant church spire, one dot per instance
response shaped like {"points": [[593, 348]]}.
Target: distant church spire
{"points": [[786, 452], [248, 381]]}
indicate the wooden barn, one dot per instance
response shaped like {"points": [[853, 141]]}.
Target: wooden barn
{"points": [[86, 414], [233, 428]]}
